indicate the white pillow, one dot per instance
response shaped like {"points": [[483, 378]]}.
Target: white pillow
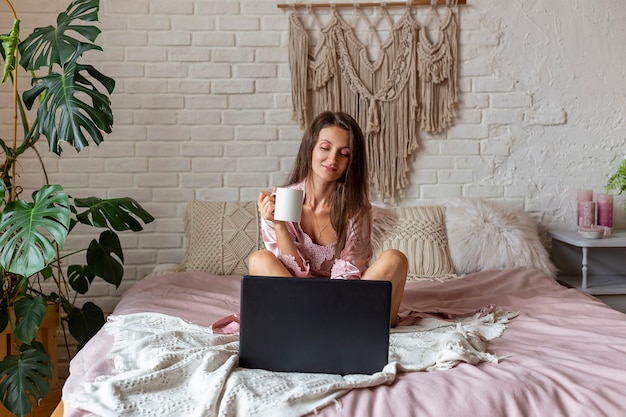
{"points": [[483, 235]]}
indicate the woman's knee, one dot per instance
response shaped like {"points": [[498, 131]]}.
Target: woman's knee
{"points": [[260, 259], [396, 258], [391, 265]]}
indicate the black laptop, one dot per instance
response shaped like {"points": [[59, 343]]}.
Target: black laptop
{"points": [[315, 325]]}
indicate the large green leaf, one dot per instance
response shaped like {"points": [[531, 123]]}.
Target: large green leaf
{"points": [[83, 323], [72, 108], [23, 375], [63, 113], [101, 261], [80, 278], [9, 44], [28, 231], [116, 213], [49, 45], [29, 313]]}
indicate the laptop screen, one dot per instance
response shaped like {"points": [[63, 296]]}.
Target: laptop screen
{"points": [[314, 325]]}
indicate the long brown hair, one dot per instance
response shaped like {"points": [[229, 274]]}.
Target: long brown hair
{"points": [[351, 199]]}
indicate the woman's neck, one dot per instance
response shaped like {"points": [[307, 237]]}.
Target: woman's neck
{"points": [[318, 195]]}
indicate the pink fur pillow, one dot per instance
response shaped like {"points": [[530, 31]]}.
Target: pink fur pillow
{"points": [[485, 235]]}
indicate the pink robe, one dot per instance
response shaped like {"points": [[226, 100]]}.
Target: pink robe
{"points": [[319, 261]]}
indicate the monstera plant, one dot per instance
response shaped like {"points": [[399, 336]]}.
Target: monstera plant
{"points": [[67, 101]]}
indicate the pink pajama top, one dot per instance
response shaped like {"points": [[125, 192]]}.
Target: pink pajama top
{"points": [[319, 261]]}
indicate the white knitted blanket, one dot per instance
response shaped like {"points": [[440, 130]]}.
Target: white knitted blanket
{"points": [[165, 366]]}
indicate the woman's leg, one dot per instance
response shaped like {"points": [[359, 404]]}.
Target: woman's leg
{"points": [[264, 263], [392, 265]]}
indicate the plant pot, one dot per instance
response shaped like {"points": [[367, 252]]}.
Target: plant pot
{"points": [[47, 337]]}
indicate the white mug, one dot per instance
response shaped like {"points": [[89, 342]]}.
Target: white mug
{"points": [[288, 205]]}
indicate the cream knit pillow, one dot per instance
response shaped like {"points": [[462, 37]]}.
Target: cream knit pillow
{"points": [[221, 234], [420, 233]]}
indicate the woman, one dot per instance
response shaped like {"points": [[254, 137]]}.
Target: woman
{"points": [[333, 238]]}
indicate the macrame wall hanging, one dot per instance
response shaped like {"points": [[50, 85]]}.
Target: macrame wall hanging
{"points": [[410, 86]]}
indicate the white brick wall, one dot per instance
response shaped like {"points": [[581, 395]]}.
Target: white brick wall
{"points": [[202, 110]]}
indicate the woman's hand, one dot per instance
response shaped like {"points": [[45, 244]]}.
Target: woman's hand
{"points": [[266, 205], [284, 240]]}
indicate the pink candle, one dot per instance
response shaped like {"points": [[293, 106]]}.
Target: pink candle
{"points": [[581, 197], [605, 212], [587, 213]]}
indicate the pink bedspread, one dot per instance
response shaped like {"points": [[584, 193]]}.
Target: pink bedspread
{"points": [[566, 351]]}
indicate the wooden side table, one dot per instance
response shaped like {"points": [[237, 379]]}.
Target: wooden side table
{"points": [[601, 285]]}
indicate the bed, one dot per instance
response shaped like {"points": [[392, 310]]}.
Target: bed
{"points": [[517, 343]]}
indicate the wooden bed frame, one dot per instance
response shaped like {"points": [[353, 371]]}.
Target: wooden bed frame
{"points": [[58, 411]]}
